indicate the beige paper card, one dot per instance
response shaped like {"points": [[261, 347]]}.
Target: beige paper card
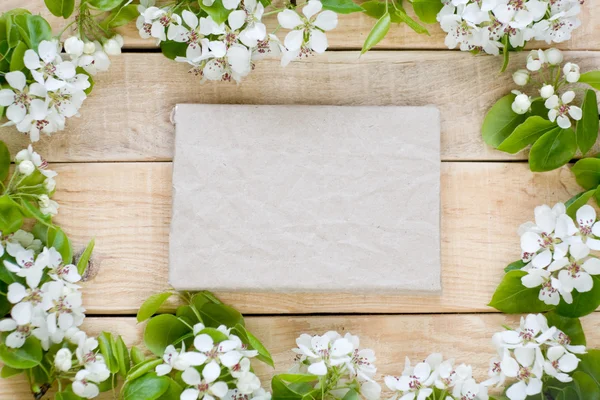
{"points": [[306, 198]]}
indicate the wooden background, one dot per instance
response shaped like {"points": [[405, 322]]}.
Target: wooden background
{"points": [[114, 184]]}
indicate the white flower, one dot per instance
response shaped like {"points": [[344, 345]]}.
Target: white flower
{"points": [[560, 25], [251, 15], [63, 360], [362, 363], [205, 385], [311, 25], [532, 333], [324, 351], [41, 120], [521, 77], [572, 72], [29, 155], [588, 227], [74, 47], [224, 351], [234, 64], [27, 268], [20, 99], [26, 168], [113, 45], [560, 110], [554, 56], [48, 68], [519, 14], [47, 206], [560, 362], [528, 372], [94, 59], [535, 60], [416, 381], [522, 103], [19, 241], [547, 91], [575, 273], [179, 360], [248, 383], [63, 305], [85, 384]]}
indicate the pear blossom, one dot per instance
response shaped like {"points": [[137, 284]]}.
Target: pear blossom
{"points": [[86, 383], [48, 68], [308, 28], [179, 360], [21, 99], [205, 384], [589, 228], [572, 72], [560, 110], [554, 56], [559, 362], [575, 271], [521, 103], [414, 380], [62, 360], [250, 15], [225, 352], [521, 77], [547, 91], [536, 60], [26, 267]]}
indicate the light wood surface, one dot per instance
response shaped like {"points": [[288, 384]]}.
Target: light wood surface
{"points": [[353, 29], [115, 177], [127, 118], [466, 338]]}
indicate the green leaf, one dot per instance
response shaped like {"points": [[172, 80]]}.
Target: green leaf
{"points": [[583, 303], [214, 315], [570, 326], [215, 334], [592, 78], [590, 364], [585, 386], [121, 16], [351, 395], [8, 372], [217, 11], [137, 355], [16, 62], [501, 121], [514, 266], [162, 331], [151, 306], [61, 8], [511, 297], [525, 134], [106, 345], [341, 6], [11, 217], [31, 211], [105, 5], [61, 243], [4, 161], [427, 10], [173, 392], [26, 357], [34, 29], [587, 172], [66, 396], [297, 378], [553, 150], [121, 355], [281, 391], [378, 32], [588, 126], [374, 8], [414, 25], [143, 368], [80, 70], [84, 260], [147, 387], [254, 344], [579, 201]]}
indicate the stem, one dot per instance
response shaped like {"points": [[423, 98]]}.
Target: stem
{"points": [[65, 28]]}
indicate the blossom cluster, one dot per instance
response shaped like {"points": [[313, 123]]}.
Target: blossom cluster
{"points": [[340, 361], [556, 252], [528, 354], [435, 373], [27, 163], [227, 50], [212, 365], [544, 68], [488, 25], [58, 88]]}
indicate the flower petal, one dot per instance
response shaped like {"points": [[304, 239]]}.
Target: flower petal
{"points": [[288, 19], [16, 80], [318, 41], [313, 7], [327, 20]]}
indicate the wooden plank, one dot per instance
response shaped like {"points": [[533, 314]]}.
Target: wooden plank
{"points": [[391, 337], [127, 207], [353, 29], [127, 118]]}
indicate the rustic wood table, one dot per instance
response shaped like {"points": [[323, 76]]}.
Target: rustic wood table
{"points": [[114, 184]]}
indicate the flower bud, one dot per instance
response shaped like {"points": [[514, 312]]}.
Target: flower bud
{"points": [[112, 47], [22, 155], [547, 91], [89, 48], [521, 77], [522, 104], [554, 56], [44, 201], [535, 60], [49, 185], [74, 46], [26, 167], [63, 360], [572, 72]]}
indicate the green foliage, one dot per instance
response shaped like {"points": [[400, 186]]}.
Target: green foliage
{"points": [[592, 78], [570, 326], [62, 244], [104, 5], [121, 16], [162, 331], [341, 6], [84, 260], [294, 388], [525, 134], [517, 265], [511, 297], [589, 125], [501, 121], [11, 217], [217, 11], [28, 356], [378, 32], [583, 303], [427, 10], [4, 161], [553, 150], [33, 29], [147, 387], [254, 344], [151, 306], [61, 8], [577, 202], [587, 173]]}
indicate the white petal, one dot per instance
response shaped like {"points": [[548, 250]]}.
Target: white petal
{"points": [[163, 369], [563, 122], [327, 20], [568, 97], [318, 41], [211, 371], [16, 292], [509, 366], [591, 266], [294, 39], [288, 19], [231, 4], [583, 283], [219, 389], [190, 394], [22, 313], [7, 97], [191, 377], [230, 358], [16, 113], [543, 259], [203, 343], [579, 251], [190, 19], [558, 264], [38, 90], [237, 19], [586, 216], [218, 48], [319, 369], [31, 59], [16, 80], [15, 340], [7, 325], [530, 242], [517, 391], [38, 109], [576, 113], [47, 51], [313, 7], [65, 70], [568, 362]]}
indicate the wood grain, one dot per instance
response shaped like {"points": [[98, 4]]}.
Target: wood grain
{"points": [[127, 118], [354, 28], [467, 338], [127, 207]]}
